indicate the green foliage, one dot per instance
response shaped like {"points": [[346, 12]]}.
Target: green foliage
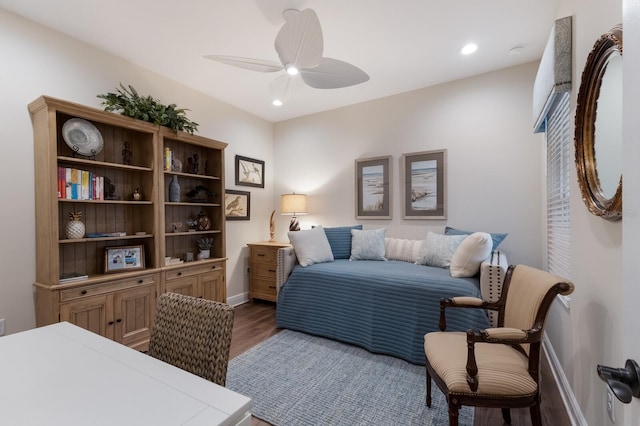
{"points": [[205, 243], [128, 102]]}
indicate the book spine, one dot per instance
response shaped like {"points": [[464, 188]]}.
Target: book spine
{"points": [[68, 183], [61, 182], [85, 185]]}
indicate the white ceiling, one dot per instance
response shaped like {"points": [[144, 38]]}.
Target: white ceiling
{"points": [[402, 44]]}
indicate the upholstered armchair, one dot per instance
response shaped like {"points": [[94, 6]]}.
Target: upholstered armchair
{"points": [[496, 367]]}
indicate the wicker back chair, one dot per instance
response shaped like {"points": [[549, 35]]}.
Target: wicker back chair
{"points": [[193, 334], [496, 367]]}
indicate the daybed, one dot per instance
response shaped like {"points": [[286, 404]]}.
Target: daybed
{"points": [[385, 306]]}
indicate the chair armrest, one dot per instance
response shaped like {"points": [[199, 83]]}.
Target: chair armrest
{"points": [[504, 335], [492, 274], [285, 261], [463, 302]]}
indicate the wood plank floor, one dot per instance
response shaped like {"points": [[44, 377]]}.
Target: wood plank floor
{"points": [[255, 322]]}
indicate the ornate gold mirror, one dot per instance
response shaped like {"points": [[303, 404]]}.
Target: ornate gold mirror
{"points": [[598, 138], [598, 134]]}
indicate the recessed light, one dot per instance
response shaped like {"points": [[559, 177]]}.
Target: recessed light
{"points": [[276, 102], [468, 49]]}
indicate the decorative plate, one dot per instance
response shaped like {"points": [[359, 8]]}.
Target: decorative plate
{"points": [[82, 137]]}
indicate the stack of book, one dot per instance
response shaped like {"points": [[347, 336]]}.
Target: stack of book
{"points": [[75, 184]]}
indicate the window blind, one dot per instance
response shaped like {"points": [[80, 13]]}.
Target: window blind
{"points": [[558, 136]]}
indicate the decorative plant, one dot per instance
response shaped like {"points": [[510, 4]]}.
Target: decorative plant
{"points": [[205, 243], [127, 101]]}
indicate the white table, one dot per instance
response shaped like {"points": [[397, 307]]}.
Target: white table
{"points": [[64, 375]]}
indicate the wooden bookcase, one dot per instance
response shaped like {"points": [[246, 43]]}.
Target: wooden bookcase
{"points": [[120, 305]]}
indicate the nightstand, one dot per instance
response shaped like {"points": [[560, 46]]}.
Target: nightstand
{"points": [[262, 270]]}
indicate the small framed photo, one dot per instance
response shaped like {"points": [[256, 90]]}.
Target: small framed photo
{"points": [[373, 188], [425, 185], [249, 172], [124, 258], [237, 205]]}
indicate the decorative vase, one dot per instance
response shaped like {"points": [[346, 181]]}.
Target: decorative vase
{"points": [[174, 190], [204, 254], [74, 229]]}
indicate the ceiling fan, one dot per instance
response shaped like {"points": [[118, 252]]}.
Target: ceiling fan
{"points": [[299, 45]]}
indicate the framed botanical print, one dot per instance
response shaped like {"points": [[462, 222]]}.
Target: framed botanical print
{"points": [[373, 188], [424, 184], [237, 205], [249, 172]]}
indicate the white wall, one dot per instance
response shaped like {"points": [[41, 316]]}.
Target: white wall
{"points": [[493, 158], [37, 61], [631, 195], [590, 333]]}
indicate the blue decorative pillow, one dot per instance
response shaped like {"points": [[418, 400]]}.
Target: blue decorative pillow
{"points": [[368, 245], [496, 238], [340, 240]]}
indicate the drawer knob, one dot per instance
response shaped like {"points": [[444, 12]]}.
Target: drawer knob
{"points": [[119, 320], [140, 281], [110, 322], [179, 273], [272, 286], [272, 270], [83, 292], [261, 254]]}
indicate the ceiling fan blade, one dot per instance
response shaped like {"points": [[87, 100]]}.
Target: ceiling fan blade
{"points": [[285, 86], [299, 41], [333, 74], [247, 63]]}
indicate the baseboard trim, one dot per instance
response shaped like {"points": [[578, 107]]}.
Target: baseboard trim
{"points": [[238, 299], [566, 393]]}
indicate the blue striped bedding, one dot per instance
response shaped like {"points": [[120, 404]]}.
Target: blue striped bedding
{"points": [[385, 307]]}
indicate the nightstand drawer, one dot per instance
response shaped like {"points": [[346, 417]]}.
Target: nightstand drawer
{"points": [[264, 286], [266, 270], [263, 254]]}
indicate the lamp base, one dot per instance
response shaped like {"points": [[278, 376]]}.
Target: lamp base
{"points": [[294, 225]]}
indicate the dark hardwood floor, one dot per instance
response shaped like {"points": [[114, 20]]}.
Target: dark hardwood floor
{"points": [[256, 321]]}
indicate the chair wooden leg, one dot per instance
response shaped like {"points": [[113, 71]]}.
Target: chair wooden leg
{"points": [[506, 415], [453, 414], [428, 389], [536, 418]]}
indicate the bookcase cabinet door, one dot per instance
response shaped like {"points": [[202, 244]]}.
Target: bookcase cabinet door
{"points": [[91, 313]]}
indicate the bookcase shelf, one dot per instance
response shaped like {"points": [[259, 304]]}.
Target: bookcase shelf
{"points": [[131, 161]]}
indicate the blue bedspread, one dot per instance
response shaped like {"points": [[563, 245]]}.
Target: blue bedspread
{"points": [[385, 307]]}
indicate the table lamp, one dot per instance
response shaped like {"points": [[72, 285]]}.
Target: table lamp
{"points": [[293, 204]]}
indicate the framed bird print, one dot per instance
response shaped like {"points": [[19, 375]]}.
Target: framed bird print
{"points": [[249, 172], [237, 205]]}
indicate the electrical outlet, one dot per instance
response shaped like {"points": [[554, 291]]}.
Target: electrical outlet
{"points": [[2, 327], [248, 270], [611, 406]]}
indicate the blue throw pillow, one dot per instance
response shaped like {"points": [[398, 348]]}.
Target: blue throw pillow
{"points": [[340, 240], [496, 238]]}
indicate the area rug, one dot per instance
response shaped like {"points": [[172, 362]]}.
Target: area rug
{"points": [[296, 379]]}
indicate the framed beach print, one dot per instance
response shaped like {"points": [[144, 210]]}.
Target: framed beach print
{"points": [[237, 205], [123, 258], [373, 188], [249, 172], [424, 184]]}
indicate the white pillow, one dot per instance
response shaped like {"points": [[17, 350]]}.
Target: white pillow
{"points": [[470, 253], [311, 246], [367, 245], [402, 249], [438, 249]]}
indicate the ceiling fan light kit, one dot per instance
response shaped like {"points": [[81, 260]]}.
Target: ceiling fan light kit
{"points": [[300, 45]]}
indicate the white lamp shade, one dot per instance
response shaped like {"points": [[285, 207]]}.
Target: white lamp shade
{"points": [[293, 204]]}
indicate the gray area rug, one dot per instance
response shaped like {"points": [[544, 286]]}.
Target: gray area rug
{"points": [[298, 379]]}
